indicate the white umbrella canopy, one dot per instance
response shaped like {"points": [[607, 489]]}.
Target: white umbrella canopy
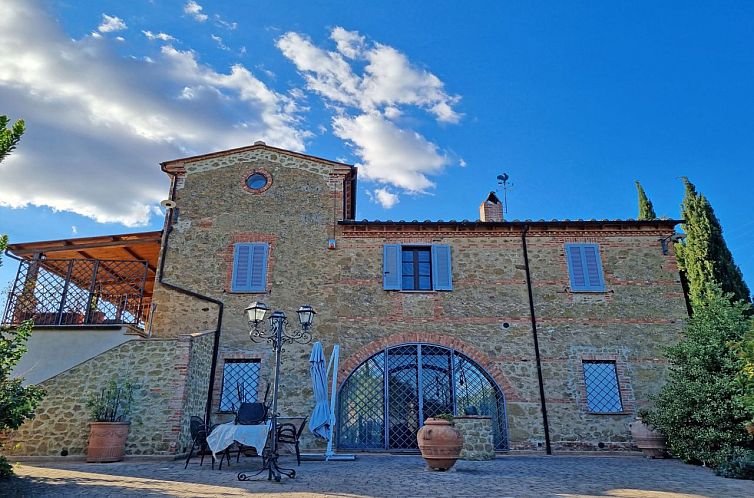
{"points": [[319, 421]]}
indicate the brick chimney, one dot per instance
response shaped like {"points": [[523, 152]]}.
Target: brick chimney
{"points": [[491, 209]]}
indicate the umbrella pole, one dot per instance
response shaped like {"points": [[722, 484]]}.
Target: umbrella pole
{"points": [[330, 453]]}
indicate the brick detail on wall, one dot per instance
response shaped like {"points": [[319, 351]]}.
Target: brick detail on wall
{"points": [[243, 237], [483, 360], [625, 387]]}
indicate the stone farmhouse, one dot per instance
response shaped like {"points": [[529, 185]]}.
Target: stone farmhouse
{"points": [[555, 328]]}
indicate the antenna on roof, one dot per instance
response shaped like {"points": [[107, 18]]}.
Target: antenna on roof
{"points": [[502, 184]]}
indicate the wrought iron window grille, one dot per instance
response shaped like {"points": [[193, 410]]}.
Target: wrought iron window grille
{"points": [[240, 383], [602, 390]]}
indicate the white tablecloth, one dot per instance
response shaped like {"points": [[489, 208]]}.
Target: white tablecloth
{"points": [[249, 435]]}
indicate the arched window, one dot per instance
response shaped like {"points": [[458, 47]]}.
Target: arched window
{"points": [[385, 400]]}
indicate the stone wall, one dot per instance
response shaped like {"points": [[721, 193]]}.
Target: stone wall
{"points": [[486, 316], [197, 383], [477, 437], [159, 367]]}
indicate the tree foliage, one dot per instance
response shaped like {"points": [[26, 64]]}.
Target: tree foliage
{"points": [[646, 210], [9, 137], [704, 256], [700, 407], [17, 403]]}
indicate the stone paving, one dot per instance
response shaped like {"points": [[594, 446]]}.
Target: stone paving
{"points": [[383, 475]]}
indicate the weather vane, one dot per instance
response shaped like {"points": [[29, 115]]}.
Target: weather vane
{"points": [[502, 184]]}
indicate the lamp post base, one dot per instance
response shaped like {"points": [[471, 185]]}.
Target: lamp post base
{"points": [[274, 471]]}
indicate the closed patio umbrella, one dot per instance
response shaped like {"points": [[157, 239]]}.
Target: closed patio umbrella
{"points": [[319, 422]]}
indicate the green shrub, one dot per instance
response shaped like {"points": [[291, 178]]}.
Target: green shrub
{"points": [[700, 408], [739, 465]]}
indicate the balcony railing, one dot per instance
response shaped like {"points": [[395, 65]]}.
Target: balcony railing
{"points": [[78, 292]]}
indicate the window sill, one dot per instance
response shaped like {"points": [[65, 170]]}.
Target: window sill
{"points": [[603, 291], [247, 292], [623, 413]]}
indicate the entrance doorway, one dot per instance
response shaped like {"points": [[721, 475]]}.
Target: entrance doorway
{"points": [[386, 399]]}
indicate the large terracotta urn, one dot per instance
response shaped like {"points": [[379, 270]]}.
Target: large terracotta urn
{"points": [[440, 443], [107, 441], [649, 441]]}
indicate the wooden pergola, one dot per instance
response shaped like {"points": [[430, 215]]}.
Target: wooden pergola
{"points": [[109, 254]]}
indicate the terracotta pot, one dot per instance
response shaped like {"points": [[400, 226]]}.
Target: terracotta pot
{"points": [[107, 441], [440, 443], [649, 441]]}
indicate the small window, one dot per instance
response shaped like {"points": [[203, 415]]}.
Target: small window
{"points": [[585, 267], [240, 383], [249, 267], [602, 392], [417, 268], [257, 181]]}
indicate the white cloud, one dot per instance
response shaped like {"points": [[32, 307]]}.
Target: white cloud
{"points": [[74, 229], [120, 38], [368, 105], [111, 23], [388, 80], [400, 157], [384, 197], [158, 36], [349, 43], [195, 10], [219, 41], [222, 23], [95, 118]]}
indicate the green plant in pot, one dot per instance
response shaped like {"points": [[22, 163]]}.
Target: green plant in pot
{"points": [[439, 442], [110, 409]]}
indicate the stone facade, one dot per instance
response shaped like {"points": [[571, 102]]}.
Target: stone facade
{"points": [[486, 316], [319, 255], [168, 390], [477, 437]]}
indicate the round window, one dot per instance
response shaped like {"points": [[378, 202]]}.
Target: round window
{"points": [[256, 181]]}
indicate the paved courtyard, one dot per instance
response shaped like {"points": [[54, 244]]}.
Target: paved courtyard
{"points": [[384, 475]]}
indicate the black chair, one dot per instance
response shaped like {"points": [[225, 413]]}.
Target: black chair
{"points": [[288, 433], [251, 413], [199, 432]]}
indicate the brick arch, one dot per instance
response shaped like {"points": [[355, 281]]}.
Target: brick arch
{"points": [[480, 358]]}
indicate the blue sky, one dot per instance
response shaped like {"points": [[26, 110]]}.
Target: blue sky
{"points": [[574, 100]]}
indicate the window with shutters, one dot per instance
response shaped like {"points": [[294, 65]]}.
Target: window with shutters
{"points": [[250, 267], [602, 391], [417, 268], [585, 267]]}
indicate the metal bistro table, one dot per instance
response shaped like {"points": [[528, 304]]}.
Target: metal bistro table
{"points": [[248, 435]]}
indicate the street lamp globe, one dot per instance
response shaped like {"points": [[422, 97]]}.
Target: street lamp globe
{"points": [[306, 316], [255, 312]]}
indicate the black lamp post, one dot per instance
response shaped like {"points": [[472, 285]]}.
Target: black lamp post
{"points": [[276, 335]]}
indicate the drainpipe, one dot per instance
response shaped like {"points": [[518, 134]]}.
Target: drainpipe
{"points": [[220, 306], [543, 403]]}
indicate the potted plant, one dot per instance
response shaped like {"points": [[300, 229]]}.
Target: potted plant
{"points": [[439, 442], [651, 442], [109, 411]]}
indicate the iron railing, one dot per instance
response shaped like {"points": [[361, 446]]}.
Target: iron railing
{"points": [[78, 292]]}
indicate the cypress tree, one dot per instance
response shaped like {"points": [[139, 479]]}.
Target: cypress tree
{"points": [[646, 210], [703, 255]]}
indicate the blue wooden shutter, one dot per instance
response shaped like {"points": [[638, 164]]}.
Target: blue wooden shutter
{"points": [[258, 277], [241, 268], [593, 265], [249, 268], [442, 273], [391, 267], [585, 267]]}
